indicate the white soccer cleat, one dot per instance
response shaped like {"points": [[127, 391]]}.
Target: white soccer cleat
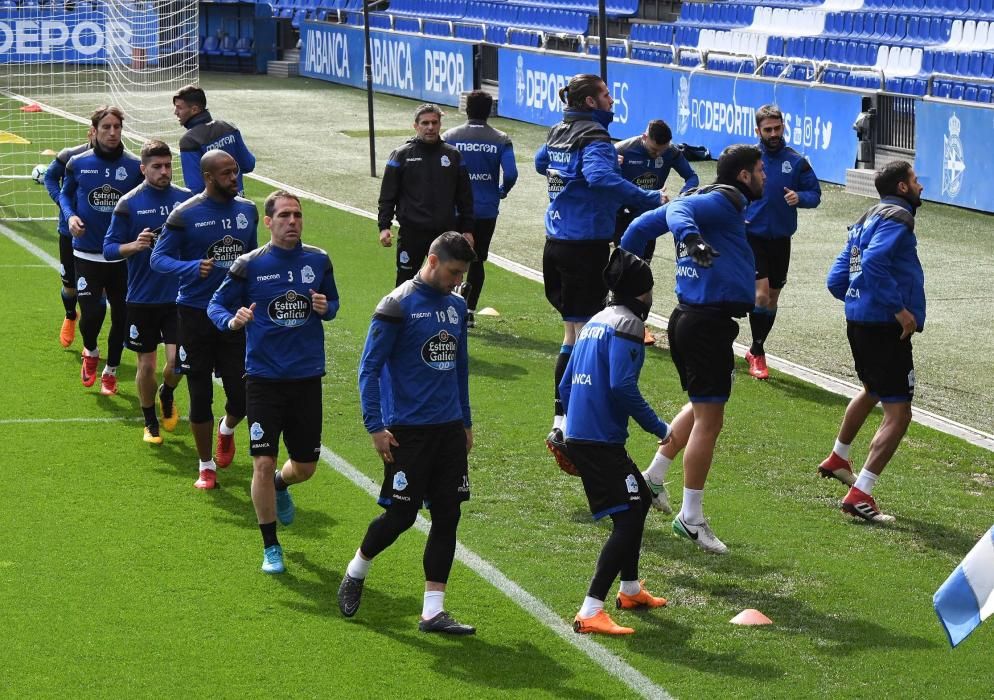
{"points": [[660, 496], [700, 534]]}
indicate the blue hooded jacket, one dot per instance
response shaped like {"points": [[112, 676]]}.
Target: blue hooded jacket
{"points": [[771, 216]]}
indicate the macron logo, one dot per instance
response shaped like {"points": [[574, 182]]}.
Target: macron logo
{"points": [[202, 224]]}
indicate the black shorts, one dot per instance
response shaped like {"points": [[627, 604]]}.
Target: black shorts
{"points": [[149, 325], [67, 262], [483, 233], [412, 249], [611, 480], [772, 259], [204, 349], [291, 407], [574, 277], [97, 279], [701, 348], [884, 362], [429, 467]]}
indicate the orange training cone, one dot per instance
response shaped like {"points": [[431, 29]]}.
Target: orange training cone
{"points": [[33, 107], [751, 616]]}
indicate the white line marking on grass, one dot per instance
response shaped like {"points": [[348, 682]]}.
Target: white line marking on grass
{"points": [[107, 419], [614, 665], [44, 267], [831, 384]]}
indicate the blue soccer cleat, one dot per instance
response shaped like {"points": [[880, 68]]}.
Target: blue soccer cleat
{"points": [[272, 560], [285, 510]]}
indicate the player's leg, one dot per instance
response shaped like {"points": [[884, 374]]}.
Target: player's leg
{"points": [[229, 363], [168, 410], [483, 233], [655, 474], [838, 465], [401, 495], [760, 317], [266, 403], [67, 271], [143, 338], [632, 592], [412, 249], [302, 437], [116, 287], [92, 312], [196, 359]]}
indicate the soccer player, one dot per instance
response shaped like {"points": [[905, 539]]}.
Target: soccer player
{"points": [[280, 293], [201, 240], [204, 133], [880, 278], [426, 186], [600, 393], [94, 182], [714, 285], [586, 190], [414, 388], [486, 151], [134, 227], [791, 184], [54, 176]]}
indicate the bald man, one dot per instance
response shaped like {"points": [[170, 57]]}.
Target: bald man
{"points": [[201, 239]]}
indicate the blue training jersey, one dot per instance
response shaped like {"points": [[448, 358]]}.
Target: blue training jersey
{"points": [[486, 151], [651, 173], [54, 176], [285, 339], [144, 207], [414, 368], [204, 133], [771, 216], [200, 229], [600, 387], [93, 184]]}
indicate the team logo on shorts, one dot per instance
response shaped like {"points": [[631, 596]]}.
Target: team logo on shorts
{"points": [[631, 484], [453, 315], [404, 257], [182, 354], [256, 432], [81, 284], [439, 351], [62, 270], [306, 274], [290, 310], [911, 381], [225, 251], [786, 169], [121, 174], [445, 161], [399, 481], [133, 332], [464, 487], [104, 198], [241, 221]]}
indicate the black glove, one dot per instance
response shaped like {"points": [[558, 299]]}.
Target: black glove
{"points": [[699, 251]]}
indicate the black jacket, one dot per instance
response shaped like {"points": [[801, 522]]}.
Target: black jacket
{"points": [[427, 187]]}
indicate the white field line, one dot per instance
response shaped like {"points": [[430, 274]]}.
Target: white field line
{"points": [[107, 419], [612, 664], [820, 379]]}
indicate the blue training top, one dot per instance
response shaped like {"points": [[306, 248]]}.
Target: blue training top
{"points": [[54, 176], [485, 151], [771, 216], [94, 182]]}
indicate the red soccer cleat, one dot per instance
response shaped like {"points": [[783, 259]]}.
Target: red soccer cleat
{"points": [[207, 480], [859, 504], [88, 372], [834, 467], [224, 448], [757, 366], [108, 384]]}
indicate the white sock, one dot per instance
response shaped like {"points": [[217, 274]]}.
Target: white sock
{"points": [[630, 587], [591, 606], [692, 508], [656, 473], [866, 481], [223, 428], [434, 604], [841, 450], [208, 465], [112, 371], [557, 422], [358, 567]]}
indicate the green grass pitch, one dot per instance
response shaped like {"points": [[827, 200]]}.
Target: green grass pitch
{"points": [[117, 578]]}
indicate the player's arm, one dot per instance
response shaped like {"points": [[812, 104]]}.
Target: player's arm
{"points": [[67, 196], [384, 329], [53, 178], [190, 162], [646, 227], [542, 160], [685, 170], [462, 375], [838, 275], [625, 362], [329, 291], [120, 241], [510, 169], [808, 188], [243, 156], [600, 168], [167, 255], [877, 263], [683, 217], [389, 192], [228, 302], [464, 199]]}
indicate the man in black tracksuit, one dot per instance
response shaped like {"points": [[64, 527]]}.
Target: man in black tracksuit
{"points": [[426, 186]]}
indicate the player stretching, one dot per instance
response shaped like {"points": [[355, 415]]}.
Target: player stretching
{"points": [[600, 393], [202, 238], [280, 293], [136, 223]]}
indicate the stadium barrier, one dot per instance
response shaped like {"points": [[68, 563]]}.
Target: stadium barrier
{"points": [[952, 155]]}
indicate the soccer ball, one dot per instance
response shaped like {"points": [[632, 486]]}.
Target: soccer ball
{"points": [[38, 174]]}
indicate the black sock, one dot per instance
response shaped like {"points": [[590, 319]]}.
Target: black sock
{"points": [[760, 322], [69, 303], [278, 481], [150, 419], [268, 534], [562, 359], [166, 397]]}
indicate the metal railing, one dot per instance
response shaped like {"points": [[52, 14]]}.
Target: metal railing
{"points": [[896, 121]]}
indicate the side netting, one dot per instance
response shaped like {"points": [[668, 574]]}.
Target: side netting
{"points": [[59, 60]]}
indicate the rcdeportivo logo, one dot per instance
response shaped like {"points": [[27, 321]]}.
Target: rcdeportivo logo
{"points": [[953, 162], [104, 198], [290, 310], [225, 251], [439, 351], [683, 106]]}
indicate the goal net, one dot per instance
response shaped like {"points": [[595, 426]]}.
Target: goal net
{"points": [[59, 59]]}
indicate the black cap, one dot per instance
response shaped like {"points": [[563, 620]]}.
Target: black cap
{"points": [[627, 275]]}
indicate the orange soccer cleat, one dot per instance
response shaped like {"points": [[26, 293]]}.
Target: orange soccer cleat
{"points": [[68, 332], [599, 623], [642, 599]]}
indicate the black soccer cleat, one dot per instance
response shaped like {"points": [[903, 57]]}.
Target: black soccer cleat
{"points": [[350, 595], [446, 624]]}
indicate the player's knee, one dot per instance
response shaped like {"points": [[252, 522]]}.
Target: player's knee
{"points": [[445, 519], [201, 398], [264, 466], [304, 470]]}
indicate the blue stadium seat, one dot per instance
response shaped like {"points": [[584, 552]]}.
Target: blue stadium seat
{"points": [[245, 47], [228, 46], [984, 95], [970, 93], [941, 88], [957, 91], [406, 24], [211, 46]]}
